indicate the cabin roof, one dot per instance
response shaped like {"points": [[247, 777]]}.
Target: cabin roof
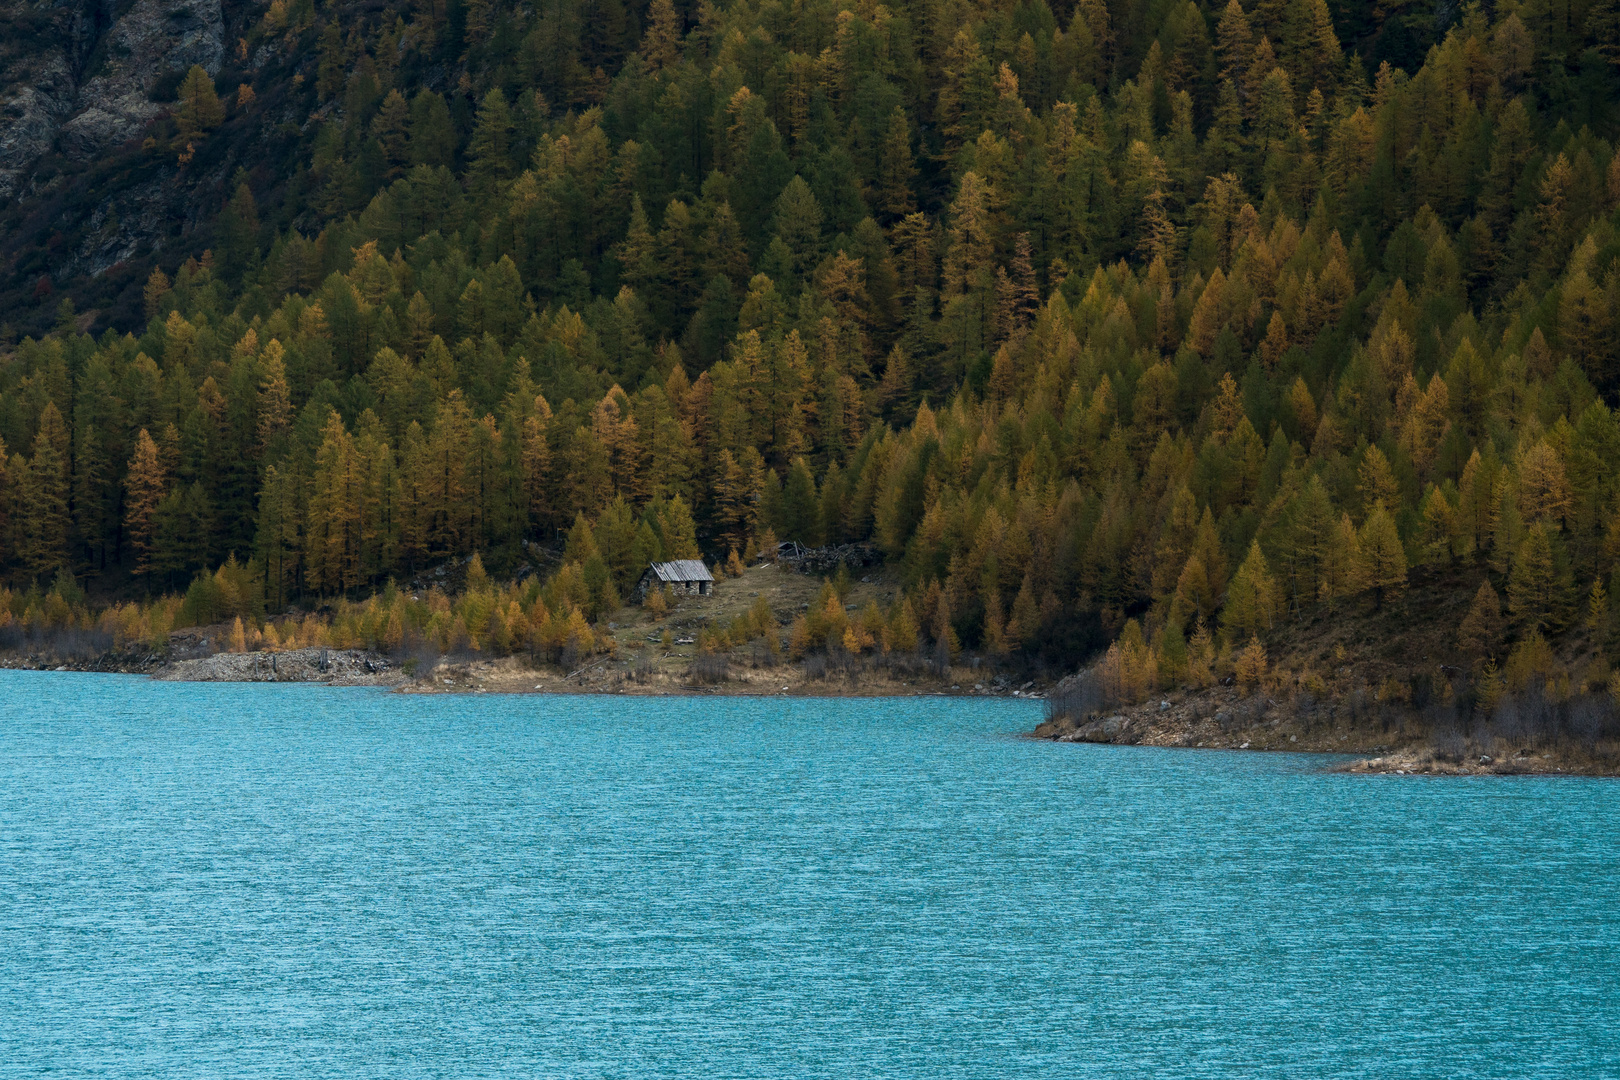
{"points": [[682, 570]]}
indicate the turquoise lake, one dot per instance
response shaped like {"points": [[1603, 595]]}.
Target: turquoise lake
{"points": [[293, 881]]}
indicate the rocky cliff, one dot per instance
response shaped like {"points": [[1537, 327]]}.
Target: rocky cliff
{"points": [[95, 191], [80, 77]]}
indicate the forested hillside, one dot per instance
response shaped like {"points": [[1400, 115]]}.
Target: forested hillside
{"points": [[1196, 316]]}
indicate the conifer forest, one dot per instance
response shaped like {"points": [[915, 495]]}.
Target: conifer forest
{"points": [[1159, 324]]}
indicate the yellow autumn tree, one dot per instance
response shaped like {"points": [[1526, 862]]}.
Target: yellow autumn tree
{"points": [[1544, 494], [198, 109], [1383, 559], [1480, 631], [1251, 665], [1252, 599], [143, 486]]}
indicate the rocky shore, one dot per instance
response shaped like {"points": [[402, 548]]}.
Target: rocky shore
{"points": [[1222, 718], [1219, 719], [335, 667], [1520, 763], [191, 662]]}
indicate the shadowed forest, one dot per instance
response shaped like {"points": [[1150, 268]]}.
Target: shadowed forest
{"points": [[1156, 323]]}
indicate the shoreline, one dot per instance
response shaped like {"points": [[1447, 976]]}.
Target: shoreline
{"points": [[1216, 719], [511, 675], [1220, 718]]}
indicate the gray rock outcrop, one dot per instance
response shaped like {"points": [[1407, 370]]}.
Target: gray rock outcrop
{"points": [[79, 77], [343, 667]]}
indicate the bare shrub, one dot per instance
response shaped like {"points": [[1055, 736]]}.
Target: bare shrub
{"points": [[1464, 700], [1078, 697], [416, 653], [708, 669], [1507, 723], [906, 664], [59, 644], [1420, 689], [79, 644], [1591, 717], [1359, 704], [1306, 708], [461, 647], [1449, 745], [1540, 714]]}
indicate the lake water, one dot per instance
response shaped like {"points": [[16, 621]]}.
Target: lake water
{"points": [[277, 881]]}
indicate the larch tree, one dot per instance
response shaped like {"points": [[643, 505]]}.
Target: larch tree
{"points": [[662, 44], [1251, 600], [1338, 572], [1234, 43], [1306, 551], [1304, 410], [8, 475], [1207, 548], [798, 226], [1427, 423], [738, 483], [637, 253], [1439, 527], [332, 534], [331, 61], [279, 526], [1250, 668], [1375, 483], [536, 462], [414, 510], [274, 404], [391, 128], [588, 472], [43, 520], [447, 495], [144, 488], [156, 292], [378, 497], [678, 530], [800, 518], [1532, 585], [1544, 494], [489, 157], [1480, 632], [969, 269], [198, 109], [1383, 559], [896, 168], [433, 135]]}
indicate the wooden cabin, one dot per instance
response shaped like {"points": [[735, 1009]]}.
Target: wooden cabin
{"points": [[685, 577]]}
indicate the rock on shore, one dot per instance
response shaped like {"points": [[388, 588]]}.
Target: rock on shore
{"points": [[341, 667]]}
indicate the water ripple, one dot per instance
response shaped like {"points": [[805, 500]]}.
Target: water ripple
{"points": [[279, 881]]}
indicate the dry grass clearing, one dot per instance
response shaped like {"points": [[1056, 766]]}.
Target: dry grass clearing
{"points": [[662, 656]]}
